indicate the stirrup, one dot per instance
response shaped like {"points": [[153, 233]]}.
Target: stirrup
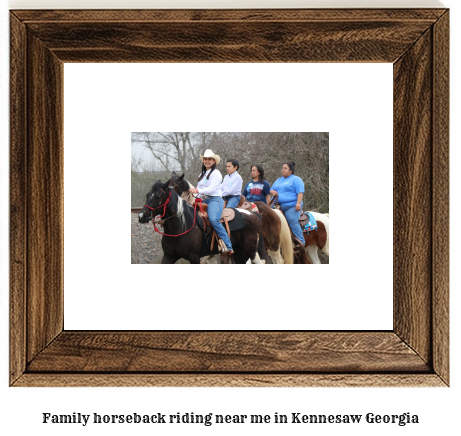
{"points": [[222, 245]]}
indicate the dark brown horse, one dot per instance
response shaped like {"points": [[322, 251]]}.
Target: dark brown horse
{"points": [[182, 235], [182, 187]]}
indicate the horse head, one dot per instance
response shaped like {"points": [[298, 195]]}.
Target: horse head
{"points": [[181, 186], [178, 183], [155, 199]]}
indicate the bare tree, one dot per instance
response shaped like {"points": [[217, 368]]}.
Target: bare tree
{"points": [[170, 149], [309, 150]]}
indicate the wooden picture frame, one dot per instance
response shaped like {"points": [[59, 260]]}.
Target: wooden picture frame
{"points": [[414, 353]]}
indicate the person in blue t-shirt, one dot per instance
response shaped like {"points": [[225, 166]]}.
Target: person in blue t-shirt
{"points": [[289, 190], [258, 189]]}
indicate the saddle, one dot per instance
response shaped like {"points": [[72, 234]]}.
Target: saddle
{"points": [[246, 205], [307, 222], [231, 219], [227, 215]]}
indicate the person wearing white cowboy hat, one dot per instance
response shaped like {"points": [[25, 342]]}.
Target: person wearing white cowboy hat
{"points": [[208, 153], [209, 184]]}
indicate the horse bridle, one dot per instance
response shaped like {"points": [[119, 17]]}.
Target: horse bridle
{"points": [[161, 205], [164, 211]]}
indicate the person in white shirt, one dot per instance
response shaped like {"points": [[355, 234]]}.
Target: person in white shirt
{"points": [[231, 186], [209, 184]]}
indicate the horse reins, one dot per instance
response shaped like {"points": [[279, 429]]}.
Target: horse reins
{"points": [[199, 200], [274, 201]]}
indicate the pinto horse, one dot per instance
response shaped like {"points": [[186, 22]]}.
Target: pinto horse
{"points": [[183, 237], [318, 239], [277, 236], [182, 187]]}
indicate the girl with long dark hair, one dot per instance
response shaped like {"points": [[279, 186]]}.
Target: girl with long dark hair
{"points": [[258, 189], [209, 185]]}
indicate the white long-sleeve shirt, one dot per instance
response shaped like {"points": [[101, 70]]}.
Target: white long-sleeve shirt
{"points": [[232, 184], [211, 186]]}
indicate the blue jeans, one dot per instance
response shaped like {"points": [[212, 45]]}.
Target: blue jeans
{"points": [[292, 216], [215, 208], [232, 200]]}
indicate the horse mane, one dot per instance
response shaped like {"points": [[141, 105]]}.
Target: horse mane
{"points": [[183, 186], [186, 196], [156, 185], [183, 211]]}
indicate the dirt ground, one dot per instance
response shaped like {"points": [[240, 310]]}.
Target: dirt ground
{"points": [[146, 246]]}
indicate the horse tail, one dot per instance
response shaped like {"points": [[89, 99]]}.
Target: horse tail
{"points": [[285, 239]]}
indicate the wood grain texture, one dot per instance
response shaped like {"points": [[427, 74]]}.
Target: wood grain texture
{"points": [[228, 352], [230, 380], [414, 354], [229, 35], [204, 15], [441, 211], [413, 195], [44, 197], [18, 227], [357, 41]]}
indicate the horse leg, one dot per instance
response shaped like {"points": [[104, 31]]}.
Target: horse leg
{"points": [[312, 252], [322, 237], [194, 259], [225, 259], [326, 247], [250, 249], [262, 254], [168, 259], [276, 256], [209, 259], [258, 260]]}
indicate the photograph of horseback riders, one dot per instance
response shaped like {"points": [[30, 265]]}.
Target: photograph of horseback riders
{"points": [[230, 197]]}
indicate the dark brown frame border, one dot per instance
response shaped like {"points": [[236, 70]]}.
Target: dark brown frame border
{"points": [[415, 353]]}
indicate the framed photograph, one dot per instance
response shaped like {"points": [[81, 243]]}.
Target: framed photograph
{"points": [[415, 352]]}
